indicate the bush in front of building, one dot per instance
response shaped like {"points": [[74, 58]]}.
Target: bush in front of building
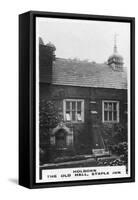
{"points": [[107, 162], [121, 149], [49, 116], [115, 138], [49, 119], [114, 133]]}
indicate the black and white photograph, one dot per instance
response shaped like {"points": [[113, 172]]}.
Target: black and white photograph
{"points": [[68, 91], [82, 99]]}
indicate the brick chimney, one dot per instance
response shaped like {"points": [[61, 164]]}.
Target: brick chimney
{"points": [[46, 58]]}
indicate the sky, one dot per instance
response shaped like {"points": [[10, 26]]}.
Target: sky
{"points": [[83, 39]]}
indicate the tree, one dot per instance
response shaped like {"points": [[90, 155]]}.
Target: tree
{"points": [[49, 116], [49, 119]]}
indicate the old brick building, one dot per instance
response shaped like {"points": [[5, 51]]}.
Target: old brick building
{"points": [[86, 96]]}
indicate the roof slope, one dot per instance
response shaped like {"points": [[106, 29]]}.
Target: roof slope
{"points": [[85, 74]]}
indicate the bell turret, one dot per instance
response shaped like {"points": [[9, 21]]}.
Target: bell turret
{"points": [[115, 60]]}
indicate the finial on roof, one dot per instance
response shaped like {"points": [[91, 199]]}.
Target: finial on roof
{"points": [[115, 60], [115, 43]]}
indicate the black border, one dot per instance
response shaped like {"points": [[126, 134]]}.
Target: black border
{"points": [[32, 15]]}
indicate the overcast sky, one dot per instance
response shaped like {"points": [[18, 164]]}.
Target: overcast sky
{"points": [[92, 40]]}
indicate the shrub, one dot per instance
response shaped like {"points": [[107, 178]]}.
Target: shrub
{"points": [[49, 116], [107, 162], [114, 133], [121, 150], [49, 119]]}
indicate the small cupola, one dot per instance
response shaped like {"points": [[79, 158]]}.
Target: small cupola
{"points": [[115, 60]]}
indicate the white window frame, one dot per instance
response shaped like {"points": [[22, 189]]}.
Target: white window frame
{"points": [[82, 110], [118, 110]]}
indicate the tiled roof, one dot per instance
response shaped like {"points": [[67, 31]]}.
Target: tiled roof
{"points": [[85, 74]]}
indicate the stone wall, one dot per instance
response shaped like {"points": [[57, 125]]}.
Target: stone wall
{"points": [[86, 135]]}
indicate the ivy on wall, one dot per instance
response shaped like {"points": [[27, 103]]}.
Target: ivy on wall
{"points": [[49, 116]]}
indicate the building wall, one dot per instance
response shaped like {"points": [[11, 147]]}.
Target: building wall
{"points": [[86, 134]]}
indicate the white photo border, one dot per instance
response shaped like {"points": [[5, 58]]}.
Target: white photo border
{"points": [[37, 167]]}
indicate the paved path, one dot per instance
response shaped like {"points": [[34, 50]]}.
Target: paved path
{"points": [[86, 162], [78, 163]]}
